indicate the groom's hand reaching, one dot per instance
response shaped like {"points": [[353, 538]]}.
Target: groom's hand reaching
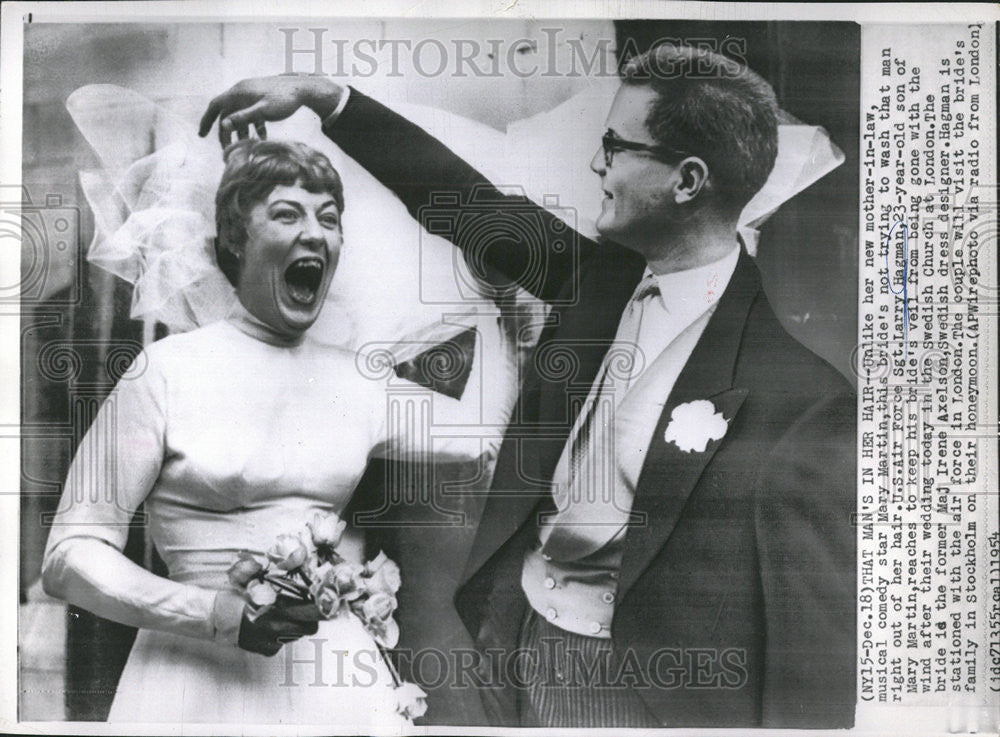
{"points": [[254, 102]]}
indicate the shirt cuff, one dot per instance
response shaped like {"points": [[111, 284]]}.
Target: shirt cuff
{"points": [[227, 615], [330, 119]]}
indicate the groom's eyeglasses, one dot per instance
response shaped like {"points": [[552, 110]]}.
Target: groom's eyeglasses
{"points": [[611, 143]]}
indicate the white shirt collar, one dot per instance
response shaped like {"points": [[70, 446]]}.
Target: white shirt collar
{"points": [[692, 291]]}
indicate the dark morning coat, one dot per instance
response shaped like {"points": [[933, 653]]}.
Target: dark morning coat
{"points": [[736, 602]]}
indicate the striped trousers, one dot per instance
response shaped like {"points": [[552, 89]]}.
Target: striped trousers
{"points": [[569, 681]]}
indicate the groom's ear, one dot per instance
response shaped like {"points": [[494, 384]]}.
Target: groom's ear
{"points": [[693, 177], [445, 367]]}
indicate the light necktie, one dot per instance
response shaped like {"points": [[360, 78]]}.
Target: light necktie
{"points": [[628, 337], [563, 538], [629, 330]]}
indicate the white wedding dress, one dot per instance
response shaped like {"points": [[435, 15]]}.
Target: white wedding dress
{"points": [[231, 436]]}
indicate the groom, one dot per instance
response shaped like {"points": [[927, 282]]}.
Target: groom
{"points": [[668, 540]]}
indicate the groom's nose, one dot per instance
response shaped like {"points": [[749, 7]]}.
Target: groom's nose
{"points": [[597, 162]]}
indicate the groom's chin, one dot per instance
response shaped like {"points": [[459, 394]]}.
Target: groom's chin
{"points": [[609, 242]]}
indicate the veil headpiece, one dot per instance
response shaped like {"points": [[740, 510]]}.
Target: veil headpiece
{"points": [[154, 214]]}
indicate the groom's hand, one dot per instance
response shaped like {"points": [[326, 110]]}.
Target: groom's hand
{"points": [[258, 101], [283, 623]]}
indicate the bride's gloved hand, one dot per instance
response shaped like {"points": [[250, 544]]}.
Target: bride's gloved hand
{"points": [[257, 101], [284, 622]]}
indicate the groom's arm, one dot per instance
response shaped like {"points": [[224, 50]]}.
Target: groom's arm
{"points": [[540, 252], [435, 184]]}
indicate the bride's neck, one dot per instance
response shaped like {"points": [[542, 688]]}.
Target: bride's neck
{"points": [[245, 321]]}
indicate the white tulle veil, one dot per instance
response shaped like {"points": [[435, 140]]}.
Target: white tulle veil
{"points": [[153, 212]]}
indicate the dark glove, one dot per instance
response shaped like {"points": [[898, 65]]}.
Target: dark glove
{"points": [[284, 622]]}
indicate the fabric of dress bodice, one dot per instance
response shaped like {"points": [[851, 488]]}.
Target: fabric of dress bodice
{"points": [[258, 439]]}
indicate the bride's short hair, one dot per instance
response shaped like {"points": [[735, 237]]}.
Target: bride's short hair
{"points": [[254, 168]]}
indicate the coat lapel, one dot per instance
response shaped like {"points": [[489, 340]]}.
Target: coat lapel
{"points": [[670, 474]]}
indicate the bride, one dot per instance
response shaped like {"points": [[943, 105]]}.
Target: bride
{"points": [[232, 434]]}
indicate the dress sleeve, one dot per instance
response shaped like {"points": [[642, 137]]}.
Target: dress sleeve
{"points": [[418, 423], [115, 467]]}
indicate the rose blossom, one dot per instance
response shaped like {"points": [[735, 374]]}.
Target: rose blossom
{"points": [[386, 633], [321, 574], [411, 700], [383, 574], [326, 600], [326, 529], [345, 577], [288, 552], [261, 594], [379, 607], [375, 563], [245, 569]]}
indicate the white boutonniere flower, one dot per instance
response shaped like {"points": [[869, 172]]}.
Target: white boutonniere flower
{"points": [[694, 424]]}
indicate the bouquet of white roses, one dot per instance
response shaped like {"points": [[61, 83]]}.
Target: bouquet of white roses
{"points": [[307, 568]]}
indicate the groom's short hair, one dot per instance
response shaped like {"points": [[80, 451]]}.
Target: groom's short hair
{"points": [[253, 169], [712, 107]]}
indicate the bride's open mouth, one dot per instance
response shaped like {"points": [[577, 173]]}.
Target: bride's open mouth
{"points": [[303, 278]]}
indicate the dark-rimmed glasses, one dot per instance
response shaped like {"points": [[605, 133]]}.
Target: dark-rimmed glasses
{"points": [[612, 143]]}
